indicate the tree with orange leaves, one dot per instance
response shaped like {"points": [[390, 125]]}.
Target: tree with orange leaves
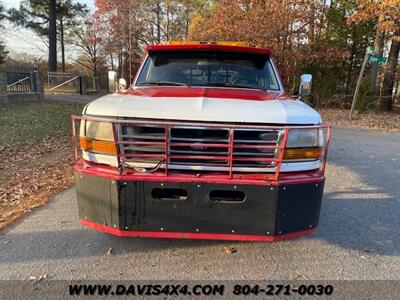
{"points": [[296, 30], [387, 14]]}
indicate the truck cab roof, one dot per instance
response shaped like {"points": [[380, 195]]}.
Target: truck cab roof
{"points": [[212, 46]]}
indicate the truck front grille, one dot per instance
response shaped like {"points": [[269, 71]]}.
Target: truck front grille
{"points": [[198, 147]]}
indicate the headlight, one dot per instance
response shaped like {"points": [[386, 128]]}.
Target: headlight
{"points": [[300, 138], [99, 131], [97, 137], [304, 144]]}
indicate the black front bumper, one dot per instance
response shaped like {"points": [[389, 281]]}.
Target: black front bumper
{"points": [[201, 208]]}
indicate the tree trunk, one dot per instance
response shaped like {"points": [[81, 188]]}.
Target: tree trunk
{"points": [[52, 63], [111, 60], [158, 22], [351, 65], [386, 103], [130, 50], [94, 63], [312, 22], [94, 59], [322, 20], [187, 21], [120, 65], [167, 33], [378, 49], [62, 45]]}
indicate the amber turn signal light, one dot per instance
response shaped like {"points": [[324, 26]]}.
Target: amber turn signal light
{"points": [[106, 147], [302, 153]]}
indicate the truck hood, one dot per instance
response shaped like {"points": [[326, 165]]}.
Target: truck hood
{"points": [[205, 104]]}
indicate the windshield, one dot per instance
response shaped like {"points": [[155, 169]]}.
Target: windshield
{"points": [[207, 68]]}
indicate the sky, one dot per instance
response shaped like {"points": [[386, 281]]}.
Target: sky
{"points": [[19, 40]]}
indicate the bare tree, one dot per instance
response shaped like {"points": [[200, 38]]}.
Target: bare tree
{"points": [[88, 40]]}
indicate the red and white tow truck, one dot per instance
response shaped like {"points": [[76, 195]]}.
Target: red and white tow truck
{"points": [[204, 144]]}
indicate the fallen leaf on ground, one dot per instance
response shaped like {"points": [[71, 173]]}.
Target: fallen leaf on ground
{"points": [[42, 277], [37, 279], [27, 185], [230, 250], [300, 275], [380, 121]]}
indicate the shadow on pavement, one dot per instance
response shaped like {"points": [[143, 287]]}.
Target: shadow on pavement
{"points": [[84, 242], [361, 203]]}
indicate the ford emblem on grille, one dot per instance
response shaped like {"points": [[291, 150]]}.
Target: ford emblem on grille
{"points": [[198, 147]]}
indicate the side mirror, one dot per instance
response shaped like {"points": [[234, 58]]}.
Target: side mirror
{"points": [[112, 81], [122, 85], [305, 84]]}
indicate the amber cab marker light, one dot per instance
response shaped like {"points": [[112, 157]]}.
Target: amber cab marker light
{"points": [[221, 43], [302, 153], [105, 147]]}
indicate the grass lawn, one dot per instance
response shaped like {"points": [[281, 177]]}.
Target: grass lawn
{"points": [[24, 123], [35, 155]]}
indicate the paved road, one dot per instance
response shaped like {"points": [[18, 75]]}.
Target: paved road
{"points": [[358, 237]]}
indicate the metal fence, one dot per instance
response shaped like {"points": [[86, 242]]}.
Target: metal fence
{"points": [[21, 79], [92, 84], [63, 82]]}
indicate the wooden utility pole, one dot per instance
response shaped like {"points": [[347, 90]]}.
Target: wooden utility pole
{"points": [[360, 77], [52, 63]]}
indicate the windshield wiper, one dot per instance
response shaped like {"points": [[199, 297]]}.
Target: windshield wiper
{"points": [[163, 82], [244, 86], [237, 86]]}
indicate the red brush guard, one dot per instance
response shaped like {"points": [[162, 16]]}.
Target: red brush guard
{"points": [[201, 150]]}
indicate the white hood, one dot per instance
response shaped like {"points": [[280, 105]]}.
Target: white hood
{"points": [[204, 109]]}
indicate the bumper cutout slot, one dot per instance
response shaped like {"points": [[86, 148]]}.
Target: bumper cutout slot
{"points": [[169, 194], [227, 196]]}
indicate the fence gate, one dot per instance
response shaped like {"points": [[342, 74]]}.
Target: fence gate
{"points": [[92, 84], [64, 83], [20, 79]]}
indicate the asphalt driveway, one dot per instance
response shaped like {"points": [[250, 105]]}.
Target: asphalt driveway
{"points": [[358, 236]]}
